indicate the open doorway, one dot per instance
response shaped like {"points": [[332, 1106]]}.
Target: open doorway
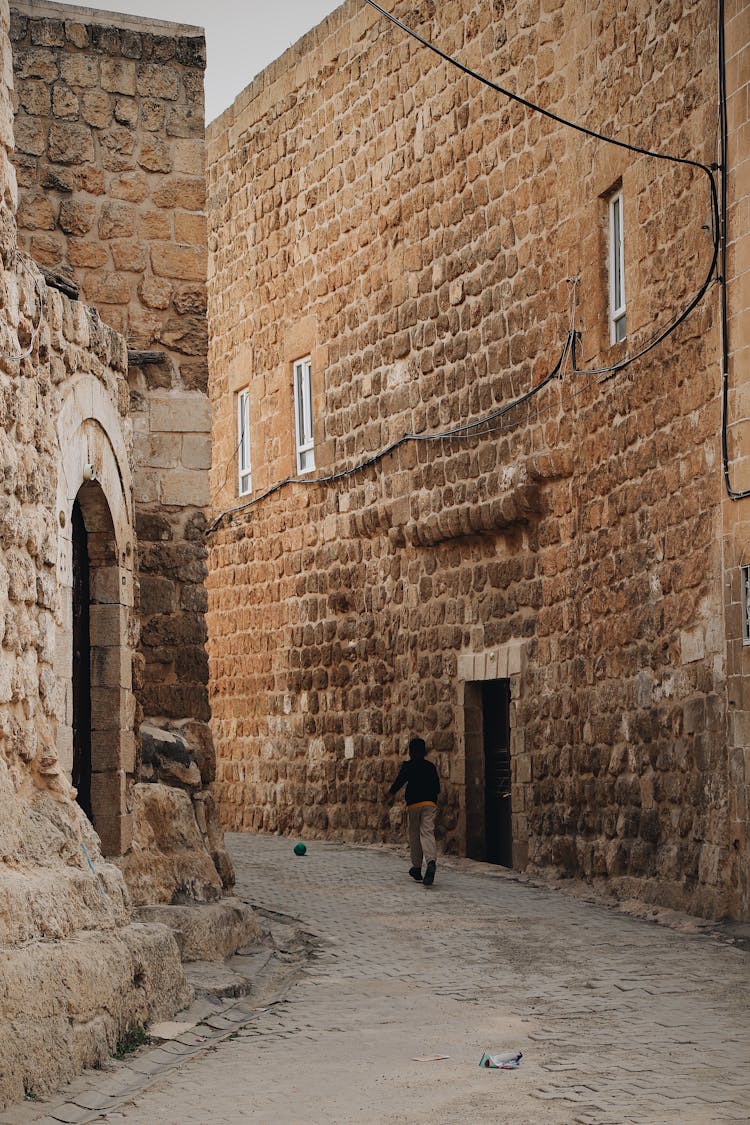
{"points": [[489, 824], [100, 672], [81, 776]]}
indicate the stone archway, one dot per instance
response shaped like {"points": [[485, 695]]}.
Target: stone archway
{"points": [[96, 629], [99, 666]]}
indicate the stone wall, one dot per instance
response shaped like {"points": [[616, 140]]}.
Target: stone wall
{"points": [[110, 161], [75, 973], [414, 232], [736, 521]]}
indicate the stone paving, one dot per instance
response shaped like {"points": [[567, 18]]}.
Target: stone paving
{"points": [[619, 1020]]}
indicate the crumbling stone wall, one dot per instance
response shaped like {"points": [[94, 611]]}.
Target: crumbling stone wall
{"points": [[110, 163], [414, 233], [75, 974], [736, 517]]}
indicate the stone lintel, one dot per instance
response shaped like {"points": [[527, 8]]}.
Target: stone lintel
{"points": [[493, 664]]}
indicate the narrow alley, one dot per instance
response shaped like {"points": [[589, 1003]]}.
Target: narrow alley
{"points": [[619, 1020]]}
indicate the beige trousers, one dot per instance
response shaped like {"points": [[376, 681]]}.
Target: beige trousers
{"points": [[422, 834]]}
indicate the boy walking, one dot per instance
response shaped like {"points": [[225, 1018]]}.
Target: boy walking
{"points": [[422, 787]]}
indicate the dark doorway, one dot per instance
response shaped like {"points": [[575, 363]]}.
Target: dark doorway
{"points": [[498, 828], [81, 662]]}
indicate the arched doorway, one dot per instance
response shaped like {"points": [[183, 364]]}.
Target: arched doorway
{"points": [[100, 676], [94, 703], [81, 772]]}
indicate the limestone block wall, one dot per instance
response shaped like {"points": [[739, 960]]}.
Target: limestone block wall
{"points": [[74, 973], [414, 233], [109, 126], [736, 523]]}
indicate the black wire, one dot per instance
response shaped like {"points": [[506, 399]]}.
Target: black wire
{"points": [[661, 334], [373, 459], [608, 372], [732, 493], [529, 104]]}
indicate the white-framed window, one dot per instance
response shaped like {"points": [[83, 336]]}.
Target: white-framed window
{"points": [[745, 598], [617, 318], [303, 418], [244, 466]]}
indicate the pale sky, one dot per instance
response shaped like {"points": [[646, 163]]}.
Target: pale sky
{"points": [[242, 36]]}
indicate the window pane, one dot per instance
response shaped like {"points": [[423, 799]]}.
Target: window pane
{"points": [[306, 436], [617, 320], [306, 461], [616, 253], [303, 420], [300, 404], [243, 443]]}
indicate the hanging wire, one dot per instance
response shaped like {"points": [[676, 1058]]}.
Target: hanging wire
{"points": [[708, 170], [485, 425], [732, 492], [478, 427]]}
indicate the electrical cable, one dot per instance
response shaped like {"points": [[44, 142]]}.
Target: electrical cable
{"points": [[707, 170], [525, 101], [374, 458], [605, 373], [732, 492]]}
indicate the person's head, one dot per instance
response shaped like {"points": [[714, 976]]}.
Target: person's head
{"points": [[417, 749]]}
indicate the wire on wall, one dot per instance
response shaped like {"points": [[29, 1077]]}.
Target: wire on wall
{"points": [[442, 435], [484, 424], [732, 493], [707, 170]]}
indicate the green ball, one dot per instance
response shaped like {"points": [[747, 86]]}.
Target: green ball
{"points": [[300, 849]]}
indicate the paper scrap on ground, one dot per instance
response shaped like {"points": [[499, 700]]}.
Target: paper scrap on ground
{"points": [[501, 1060], [429, 1058], [170, 1030]]}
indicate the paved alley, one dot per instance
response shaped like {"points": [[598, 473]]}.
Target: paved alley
{"points": [[619, 1020]]}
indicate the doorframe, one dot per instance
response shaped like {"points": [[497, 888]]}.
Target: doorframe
{"points": [[506, 662], [93, 459]]}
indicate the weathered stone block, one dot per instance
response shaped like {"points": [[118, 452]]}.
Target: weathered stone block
{"points": [[34, 96], [96, 108], [155, 292], [70, 144], [79, 70], [30, 135], [196, 451], [118, 76], [185, 488], [117, 220], [158, 595], [87, 255], [155, 155], [189, 157], [181, 192], [180, 413], [36, 213], [183, 263], [129, 256], [65, 104], [77, 216], [157, 81]]}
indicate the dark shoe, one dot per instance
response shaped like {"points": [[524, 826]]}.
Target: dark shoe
{"points": [[429, 875], [416, 873]]}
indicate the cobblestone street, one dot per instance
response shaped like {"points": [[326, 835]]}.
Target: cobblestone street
{"points": [[619, 1020]]}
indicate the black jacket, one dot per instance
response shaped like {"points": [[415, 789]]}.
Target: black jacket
{"points": [[421, 780]]}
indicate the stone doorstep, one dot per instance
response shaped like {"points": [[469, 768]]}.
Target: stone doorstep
{"points": [[139, 1073], [213, 1019]]}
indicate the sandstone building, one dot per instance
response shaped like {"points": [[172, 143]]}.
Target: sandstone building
{"points": [[105, 454], [555, 597]]}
